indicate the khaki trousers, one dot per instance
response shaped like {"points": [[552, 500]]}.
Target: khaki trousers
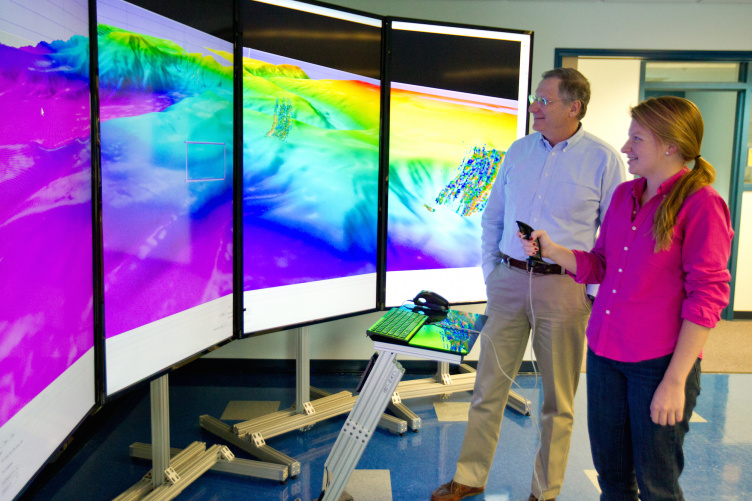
{"points": [[561, 310]]}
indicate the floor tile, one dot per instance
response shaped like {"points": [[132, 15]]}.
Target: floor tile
{"points": [[452, 411]]}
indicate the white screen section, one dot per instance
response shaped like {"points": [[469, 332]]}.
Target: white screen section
{"points": [[300, 303], [137, 354], [30, 437], [457, 285]]}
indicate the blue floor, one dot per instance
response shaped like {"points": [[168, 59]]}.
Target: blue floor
{"points": [[718, 448]]}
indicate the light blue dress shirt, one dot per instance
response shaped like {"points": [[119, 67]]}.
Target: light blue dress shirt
{"points": [[564, 189]]}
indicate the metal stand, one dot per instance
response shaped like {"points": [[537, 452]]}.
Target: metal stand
{"points": [[251, 435], [444, 384], [379, 390], [169, 477], [360, 425]]}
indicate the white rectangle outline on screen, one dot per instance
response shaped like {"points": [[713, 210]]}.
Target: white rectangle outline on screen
{"points": [[29, 438], [146, 350], [300, 303], [457, 285]]}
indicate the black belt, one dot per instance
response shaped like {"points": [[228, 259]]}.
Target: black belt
{"points": [[536, 268]]}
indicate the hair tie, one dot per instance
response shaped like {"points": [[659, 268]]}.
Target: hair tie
{"points": [[697, 157]]}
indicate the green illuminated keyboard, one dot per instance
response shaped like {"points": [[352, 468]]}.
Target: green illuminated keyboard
{"points": [[398, 325]]}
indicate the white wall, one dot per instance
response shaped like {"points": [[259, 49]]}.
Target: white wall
{"points": [[603, 25], [614, 89], [743, 290]]}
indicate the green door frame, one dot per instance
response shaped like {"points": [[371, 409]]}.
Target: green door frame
{"points": [[744, 104]]}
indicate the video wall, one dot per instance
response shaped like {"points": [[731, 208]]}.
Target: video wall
{"points": [[166, 127], [321, 104], [311, 115], [458, 100], [46, 264]]}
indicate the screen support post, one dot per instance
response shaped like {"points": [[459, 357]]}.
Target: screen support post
{"points": [[302, 370], [160, 428]]}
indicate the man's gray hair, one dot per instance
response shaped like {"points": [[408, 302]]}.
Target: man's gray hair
{"points": [[573, 86]]}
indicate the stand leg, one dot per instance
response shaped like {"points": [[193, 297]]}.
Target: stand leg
{"points": [[160, 429], [302, 370], [443, 368], [360, 425]]}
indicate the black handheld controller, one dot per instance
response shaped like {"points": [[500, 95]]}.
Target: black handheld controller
{"points": [[527, 230]]}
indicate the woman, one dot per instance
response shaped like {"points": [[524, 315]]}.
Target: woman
{"points": [[661, 259]]}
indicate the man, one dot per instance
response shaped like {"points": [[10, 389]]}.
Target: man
{"points": [[559, 179]]}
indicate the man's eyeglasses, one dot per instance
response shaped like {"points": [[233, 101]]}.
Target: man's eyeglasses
{"points": [[541, 100]]}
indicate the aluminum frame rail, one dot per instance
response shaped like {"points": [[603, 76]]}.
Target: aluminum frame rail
{"points": [[360, 425], [238, 466], [186, 467], [445, 384]]}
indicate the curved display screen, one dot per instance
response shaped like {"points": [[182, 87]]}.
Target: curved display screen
{"points": [[46, 265], [311, 111], [166, 112], [457, 101]]}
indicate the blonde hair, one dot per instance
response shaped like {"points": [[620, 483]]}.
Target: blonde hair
{"points": [[676, 121]]}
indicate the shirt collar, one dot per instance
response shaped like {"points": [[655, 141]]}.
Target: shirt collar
{"points": [[663, 189], [567, 142]]}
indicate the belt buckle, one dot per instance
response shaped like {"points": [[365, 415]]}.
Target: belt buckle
{"points": [[529, 267]]}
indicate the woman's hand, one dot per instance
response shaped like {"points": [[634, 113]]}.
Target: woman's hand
{"points": [[555, 252], [538, 237], [667, 407]]}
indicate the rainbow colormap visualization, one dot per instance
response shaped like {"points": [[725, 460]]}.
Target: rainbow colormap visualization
{"points": [[457, 102], [444, 154], [46, 319], [46, 265], [166, 128], [310, 177]]}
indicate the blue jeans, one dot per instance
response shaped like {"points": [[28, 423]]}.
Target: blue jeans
{"points": [[629, 450]]}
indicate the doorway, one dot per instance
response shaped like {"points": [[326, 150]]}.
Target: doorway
{"points": [[719, 84]]}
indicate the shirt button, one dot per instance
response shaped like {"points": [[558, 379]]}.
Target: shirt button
{"points": [[608, 312], [626, 248], [620, 270], [553, 153], [614, 291], [539, 196], [634, 227]]}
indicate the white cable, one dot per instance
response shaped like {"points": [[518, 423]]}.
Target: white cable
{"points": [[514, 383], [535, 372]]}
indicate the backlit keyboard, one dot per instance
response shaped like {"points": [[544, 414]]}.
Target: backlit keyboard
{"points": [[398, 324]]}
